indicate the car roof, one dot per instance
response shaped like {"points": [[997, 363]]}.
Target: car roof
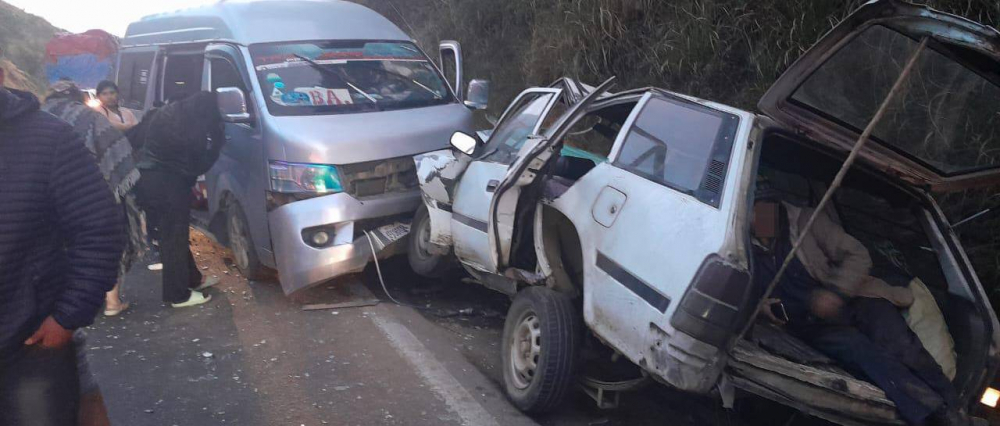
{"points": [[263, 21]]}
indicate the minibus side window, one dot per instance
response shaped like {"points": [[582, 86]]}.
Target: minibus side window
{"points": [[133, 78], [225, 74], [182, 76]]}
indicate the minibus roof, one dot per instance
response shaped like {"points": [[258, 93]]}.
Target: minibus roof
{"points": [[263, 21]]}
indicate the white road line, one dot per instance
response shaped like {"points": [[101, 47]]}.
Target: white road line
{"points": [[446, 386]]}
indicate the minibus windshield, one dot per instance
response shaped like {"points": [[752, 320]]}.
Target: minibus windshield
{"points": [[338, 77]]}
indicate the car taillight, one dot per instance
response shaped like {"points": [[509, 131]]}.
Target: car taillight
{"points": [[710, 309]]}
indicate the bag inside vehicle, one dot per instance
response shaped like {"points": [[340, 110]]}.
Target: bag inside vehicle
{"points": [[899, 229]]}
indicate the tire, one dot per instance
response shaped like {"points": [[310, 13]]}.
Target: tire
{"points": [[421, 261], [537, 375], [241, 243]]}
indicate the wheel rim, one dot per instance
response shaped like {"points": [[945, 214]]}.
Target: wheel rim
{"points": [[525, 348], [238, 242], [424, 238]]}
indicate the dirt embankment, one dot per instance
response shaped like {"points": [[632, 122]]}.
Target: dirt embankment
{"points": [[14, 78]]}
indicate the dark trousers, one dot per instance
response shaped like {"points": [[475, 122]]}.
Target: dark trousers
{"points": [[872, 341], [40, 387], [168, 195]]}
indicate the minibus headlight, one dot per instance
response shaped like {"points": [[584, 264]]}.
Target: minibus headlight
{"points": [[290, 178], [990, 397]]}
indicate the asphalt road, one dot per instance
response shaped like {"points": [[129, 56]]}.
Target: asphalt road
{"points": [[252, 356]]}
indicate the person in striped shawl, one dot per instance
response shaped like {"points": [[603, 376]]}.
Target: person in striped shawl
{"points": [[116, 162]]}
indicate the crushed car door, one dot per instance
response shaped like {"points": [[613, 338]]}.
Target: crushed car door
{"points": [[532, 156], [474, 191], [942, 131]]}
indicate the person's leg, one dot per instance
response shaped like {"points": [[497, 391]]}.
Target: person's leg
{"points": [[861, 357], [113, 301], [194, 275], [884, 325], [175, 250], [40, 387], [93, 412], [113, 298], [92, 409]]}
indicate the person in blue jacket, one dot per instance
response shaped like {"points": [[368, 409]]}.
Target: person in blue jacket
{"points": [[61, 241]]}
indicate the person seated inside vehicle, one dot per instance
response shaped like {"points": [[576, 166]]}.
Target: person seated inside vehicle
{"points": [[827, 298]]}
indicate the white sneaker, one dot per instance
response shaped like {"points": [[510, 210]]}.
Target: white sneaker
{"points": [[197, 298], [209, 282], [155, 267]]}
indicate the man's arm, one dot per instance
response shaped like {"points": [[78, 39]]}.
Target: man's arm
{"points": [[851, 264], [849, 259], [93, 226]]}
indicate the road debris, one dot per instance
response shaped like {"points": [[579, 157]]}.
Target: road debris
{"points": [[344, 305]]}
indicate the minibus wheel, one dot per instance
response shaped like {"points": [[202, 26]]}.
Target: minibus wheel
{"points": [[541, 343], [422, 261], [241, 243]]}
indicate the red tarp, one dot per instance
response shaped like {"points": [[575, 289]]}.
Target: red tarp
{"points": [[94, 42]]}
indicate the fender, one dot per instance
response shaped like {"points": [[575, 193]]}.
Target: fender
{"points": [[438, 173]]}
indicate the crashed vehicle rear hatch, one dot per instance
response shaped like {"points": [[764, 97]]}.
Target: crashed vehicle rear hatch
{"points": [[941, 132]]}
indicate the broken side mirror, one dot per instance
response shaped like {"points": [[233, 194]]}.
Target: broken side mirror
{"points": [[232, 105], [451, 65], [478, 95], [464, 142]]}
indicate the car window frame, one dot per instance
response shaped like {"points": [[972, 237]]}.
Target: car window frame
{"points": [[507, 116], [626, 130]]}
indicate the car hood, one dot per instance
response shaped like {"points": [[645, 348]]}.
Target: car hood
{"points": [[356, 138], [941, 132]]}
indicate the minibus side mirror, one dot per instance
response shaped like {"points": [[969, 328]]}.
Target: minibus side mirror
{"points": [[464, 142], [478, 96], [232, 105], [451, 65]]}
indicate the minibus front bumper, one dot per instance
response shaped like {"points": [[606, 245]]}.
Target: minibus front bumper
{"points": [[302, 262]]}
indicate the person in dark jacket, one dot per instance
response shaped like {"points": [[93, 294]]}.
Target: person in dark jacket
{"points": [[61, 241], [180, 142]]}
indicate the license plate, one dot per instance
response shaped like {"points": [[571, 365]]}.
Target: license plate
{"points": [[394, 231]]}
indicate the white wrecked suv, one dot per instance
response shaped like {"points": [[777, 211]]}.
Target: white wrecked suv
{"points": [[629, 213]]}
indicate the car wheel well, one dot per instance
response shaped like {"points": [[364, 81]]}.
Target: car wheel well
{"points": [[217, 225], [563, 252]]}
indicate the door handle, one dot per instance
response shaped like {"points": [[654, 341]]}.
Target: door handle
{"points": [[492, 185]]}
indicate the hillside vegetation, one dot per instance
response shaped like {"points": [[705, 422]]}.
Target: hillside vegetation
{"points": [[728, 51], [23, 37]]}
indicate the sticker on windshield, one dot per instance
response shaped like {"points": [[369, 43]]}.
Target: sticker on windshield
{"points": [[311, 96]]}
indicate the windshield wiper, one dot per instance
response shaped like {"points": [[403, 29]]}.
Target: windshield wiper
{"points": [[408, 80], [347, 81]]}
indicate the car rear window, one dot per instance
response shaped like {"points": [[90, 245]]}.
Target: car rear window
{"points": [[947, 116]]}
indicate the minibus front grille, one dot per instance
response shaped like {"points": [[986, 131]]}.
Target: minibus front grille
{"points": [[379, 177]]}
